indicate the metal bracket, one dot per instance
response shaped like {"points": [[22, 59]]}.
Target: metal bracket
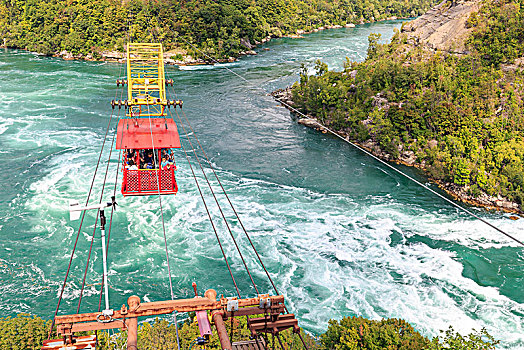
{"points": [[105, 317], [265, 303], [232, 305]]}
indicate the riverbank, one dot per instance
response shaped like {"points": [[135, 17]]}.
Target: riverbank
{"points": [[406, 157], [181, 57]]}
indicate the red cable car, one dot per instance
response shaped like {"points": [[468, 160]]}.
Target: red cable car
{"points": [[148, 162]]}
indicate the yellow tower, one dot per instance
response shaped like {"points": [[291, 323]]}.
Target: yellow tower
{"points": [[146, 92]]}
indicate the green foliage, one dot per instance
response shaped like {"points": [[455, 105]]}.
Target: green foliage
{"points": [[403, 95], [373, 40], [353, 333], [23, 332], [478, 340], [28, 332], [498, 36], [85, 27]]}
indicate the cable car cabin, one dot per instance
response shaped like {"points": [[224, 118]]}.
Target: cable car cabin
{"points": [[148, 163]]}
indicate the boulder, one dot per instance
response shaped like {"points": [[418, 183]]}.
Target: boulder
{"points": [[432, 143], [246, 43], [408, 157], [309, 122]]}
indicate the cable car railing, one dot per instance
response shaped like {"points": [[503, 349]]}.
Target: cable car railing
{"points": [[140, 182]]}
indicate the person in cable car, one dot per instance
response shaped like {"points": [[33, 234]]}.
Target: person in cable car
{"points": [[132, 165], [165, 165]]}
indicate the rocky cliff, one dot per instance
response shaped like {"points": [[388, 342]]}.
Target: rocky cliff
{"points": [[444, 26]]}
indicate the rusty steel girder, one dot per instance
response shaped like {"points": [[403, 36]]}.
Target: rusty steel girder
{"points": [[68, 324], [273, 324]]}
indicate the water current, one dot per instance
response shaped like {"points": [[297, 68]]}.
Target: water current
{"points": [[340, 233]]}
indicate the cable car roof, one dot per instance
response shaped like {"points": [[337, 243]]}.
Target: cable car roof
{"points": [[138, 134]]}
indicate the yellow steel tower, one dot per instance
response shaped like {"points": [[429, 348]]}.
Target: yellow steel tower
{"points": [[146, 92]]}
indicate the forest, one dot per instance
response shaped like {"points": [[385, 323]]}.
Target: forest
{"points": [[461, 115], [218, 28]]}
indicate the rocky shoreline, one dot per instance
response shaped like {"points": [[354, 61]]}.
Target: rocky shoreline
{"points": [[180, 57], [408, 158]]}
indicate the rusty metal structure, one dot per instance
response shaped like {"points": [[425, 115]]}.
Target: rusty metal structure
{"points": [[147, 127], [274, 319]]}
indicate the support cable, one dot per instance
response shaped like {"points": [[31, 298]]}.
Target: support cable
{"points": [[207, 210], [111, 220], [230, 203], [210, 217], [162, 215], [424, 186], [218, 204], [98, 212], [362, 149], [79, 229]]}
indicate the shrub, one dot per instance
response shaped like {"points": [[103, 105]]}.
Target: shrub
{"points": [[360, 333], [23, 332]]}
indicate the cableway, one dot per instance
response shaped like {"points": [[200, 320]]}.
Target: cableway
{"points": [[148, 101]]}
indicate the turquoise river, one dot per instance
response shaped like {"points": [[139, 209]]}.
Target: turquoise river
{"points": [[340, 233]]}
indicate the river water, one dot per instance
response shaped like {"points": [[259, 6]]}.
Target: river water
{"points": [[340, 233]]}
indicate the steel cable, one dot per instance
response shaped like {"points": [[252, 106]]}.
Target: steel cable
{"points": [[98, 211], [110, 220], [209, 215], [79, 228], [218, 204], [231, 204], [163, 223]]}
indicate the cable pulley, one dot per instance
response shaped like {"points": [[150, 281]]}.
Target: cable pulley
{"points": [[174, 103], [119, 103]]}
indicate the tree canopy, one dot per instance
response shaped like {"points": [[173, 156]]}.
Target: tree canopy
{"points": [[87, 27]]}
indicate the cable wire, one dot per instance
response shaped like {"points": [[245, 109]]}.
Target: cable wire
{"points": [[209, 216], [218, 204], [98, 213], [163, 223], [79, 229], [112, 211], [231, 204]]}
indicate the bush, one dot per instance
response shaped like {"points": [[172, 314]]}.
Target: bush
{"points": [[360, 333], [23, 332], [474, 341]]}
